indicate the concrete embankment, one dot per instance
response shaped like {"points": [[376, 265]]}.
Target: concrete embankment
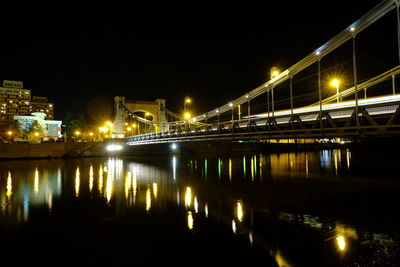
{"points": [[51, 150], [65, 150]]}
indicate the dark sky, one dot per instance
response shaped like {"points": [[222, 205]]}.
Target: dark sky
{"points": [[81, 56]]}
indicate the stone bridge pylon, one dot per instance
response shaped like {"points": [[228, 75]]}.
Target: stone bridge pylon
{"points": [[123, 107]]}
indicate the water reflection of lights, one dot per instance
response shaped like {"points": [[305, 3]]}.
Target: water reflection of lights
{"points": [[206, 210], [195, 205], [134, 186], [109, 186], [100, 184], [348, 157], [9, 185], [77, 181], [252, 168], [205, 167], [219, 167], [148, 199], [188, 197], [325, 158], [341, 242], [155, 189], [244, 165], [280, 260], [174, 167], [239, 210], [190, 220], [91, 178], [36, 182], [251, 240], [230, 169], [234, 228], [128, 184], [336, 161]]}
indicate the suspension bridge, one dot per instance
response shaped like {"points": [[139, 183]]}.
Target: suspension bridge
{"points": [[348, 113]]}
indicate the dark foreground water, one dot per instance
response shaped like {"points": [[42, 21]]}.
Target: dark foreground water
{"points": [[327, 208]]}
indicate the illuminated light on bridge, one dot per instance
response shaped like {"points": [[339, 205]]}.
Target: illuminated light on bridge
{"points": [[174, 146], [114, 147], [341, 242]]}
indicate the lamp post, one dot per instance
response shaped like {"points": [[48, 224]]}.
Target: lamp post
{"points": [[274, 72], [336, 84], [188, 100], [9, 133]]}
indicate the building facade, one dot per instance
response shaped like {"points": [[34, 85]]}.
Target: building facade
{"points": [[40, 104], [51, 128], [15, 100]]}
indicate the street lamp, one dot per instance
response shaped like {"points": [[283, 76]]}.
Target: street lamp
{"points": [[274, 72], [335, 83], [188, 100]]}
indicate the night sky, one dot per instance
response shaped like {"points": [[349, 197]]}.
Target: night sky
{"points": [[81, 56]]}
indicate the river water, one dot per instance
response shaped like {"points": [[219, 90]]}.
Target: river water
{"points": [[322, 208]]}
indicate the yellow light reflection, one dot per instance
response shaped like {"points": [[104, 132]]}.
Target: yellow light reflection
{"points": [[188, 197], [348, 156], [239, 210], [128, 184], [206, 210], [90, 178], [134, 185], [100, 185], [36, 182], [109, 186], [77, 181], [230, 169], [252, 168], [9, 185], [148, 199], [341, 242], [336, 161], [190, 220], [280, 260], [155, 190]]}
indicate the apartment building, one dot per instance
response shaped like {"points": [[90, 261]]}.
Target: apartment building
{"points": [[15, 100]]}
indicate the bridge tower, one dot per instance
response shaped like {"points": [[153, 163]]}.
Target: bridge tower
{"points": [[122, 106]]}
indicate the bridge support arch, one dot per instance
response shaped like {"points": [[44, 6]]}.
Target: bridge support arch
{"points": [[123, 106]]}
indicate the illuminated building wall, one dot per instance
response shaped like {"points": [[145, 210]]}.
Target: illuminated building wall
{"points": [[40, 104], [52, 128], [14, 100]]}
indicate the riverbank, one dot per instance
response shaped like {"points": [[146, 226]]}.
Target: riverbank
{"points": [[95, 149], [51, 150]]}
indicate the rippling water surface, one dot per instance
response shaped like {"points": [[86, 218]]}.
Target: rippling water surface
{"points": [[325, 208]]}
